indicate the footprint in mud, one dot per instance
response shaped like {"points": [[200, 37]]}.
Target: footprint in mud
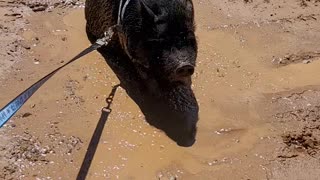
{"points": [[302, 57], [299, 112], [304, 141]]}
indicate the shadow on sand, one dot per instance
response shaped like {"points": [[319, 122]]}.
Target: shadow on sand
{"points": [[91, 150]]}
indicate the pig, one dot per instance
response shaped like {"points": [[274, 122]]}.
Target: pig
{"points": [[153, 53]]}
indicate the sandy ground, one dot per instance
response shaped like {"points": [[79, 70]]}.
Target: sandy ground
{"points": [[257, 83]]}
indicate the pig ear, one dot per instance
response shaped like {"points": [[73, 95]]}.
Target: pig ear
{"points": [[147, 12]]}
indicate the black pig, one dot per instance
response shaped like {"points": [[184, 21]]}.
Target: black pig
{"points": [[154, 56]]}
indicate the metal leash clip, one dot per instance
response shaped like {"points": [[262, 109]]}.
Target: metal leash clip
{"points": [[107, 37]]}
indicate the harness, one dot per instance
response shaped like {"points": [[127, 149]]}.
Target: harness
{"points": [[142, 68], [122, 36]]}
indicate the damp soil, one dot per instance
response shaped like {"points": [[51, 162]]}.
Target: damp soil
{"points": [[257, 83]]}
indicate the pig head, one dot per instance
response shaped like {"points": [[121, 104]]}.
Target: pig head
{"points": [[160, 37], [154, 57]]}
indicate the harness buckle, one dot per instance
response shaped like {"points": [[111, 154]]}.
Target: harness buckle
{"points": [[107, 37]]}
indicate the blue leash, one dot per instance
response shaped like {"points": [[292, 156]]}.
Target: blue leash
{"points": [[12, 107]]}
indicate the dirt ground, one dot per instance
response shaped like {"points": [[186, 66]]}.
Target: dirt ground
{"points": [[257, 82]]}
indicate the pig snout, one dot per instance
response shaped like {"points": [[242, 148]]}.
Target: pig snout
{"points": [[184, 70], [180, 65]]}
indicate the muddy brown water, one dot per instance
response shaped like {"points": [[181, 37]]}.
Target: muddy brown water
{"points": [[234, 77]]}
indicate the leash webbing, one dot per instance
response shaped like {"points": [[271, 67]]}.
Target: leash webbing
{"points": [[12, 107]]}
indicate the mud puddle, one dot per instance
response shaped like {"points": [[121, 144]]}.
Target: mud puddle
{"points": [[129, 146], [240, 135]]}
